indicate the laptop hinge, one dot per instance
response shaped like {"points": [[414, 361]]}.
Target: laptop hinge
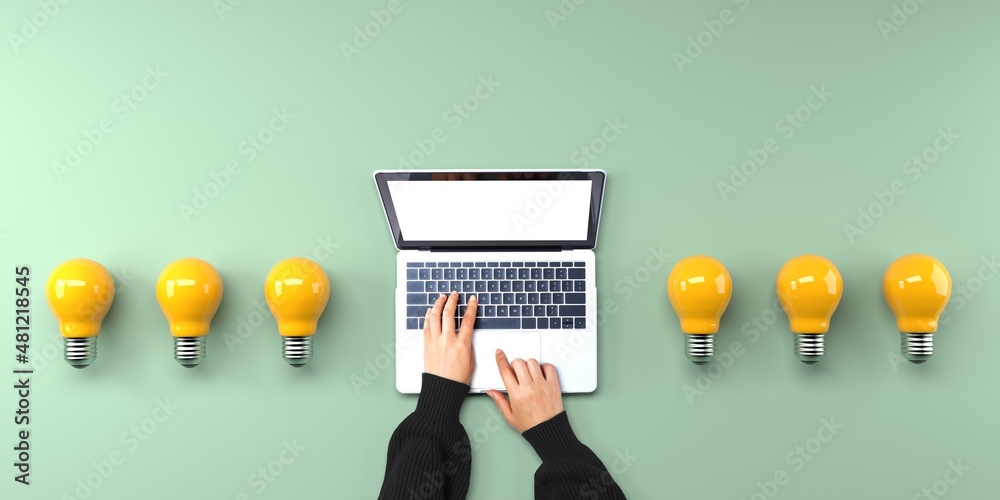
{"points": [[495, 249]]}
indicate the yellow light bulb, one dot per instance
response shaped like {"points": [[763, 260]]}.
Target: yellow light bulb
{"points": [[80, 292], [917, 288], [297, 291], [809, 288], [189, 292], [699, 288]]}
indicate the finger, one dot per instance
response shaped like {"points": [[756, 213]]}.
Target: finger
{"points": [[521, 369], [535, 370], [435, 317], [551, 377], [503, 404], [506, 373], [427, 323], [448, 319], [468, 321]]}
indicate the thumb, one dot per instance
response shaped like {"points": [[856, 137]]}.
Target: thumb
{"points": [[502, 404]]}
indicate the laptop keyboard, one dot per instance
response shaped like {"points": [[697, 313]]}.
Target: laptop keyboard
{"points": [[511, 295]]}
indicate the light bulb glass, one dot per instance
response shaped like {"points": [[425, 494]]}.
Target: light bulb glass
{"points": [[809, 288], [699, 288], [297, 291], [189, 292], [917, 288], [80, 293]]}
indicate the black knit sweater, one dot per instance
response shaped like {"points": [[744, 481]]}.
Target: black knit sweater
{"points": [[430, 457]]}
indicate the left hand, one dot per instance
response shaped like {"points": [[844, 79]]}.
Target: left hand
{"points": [[448, 354]]}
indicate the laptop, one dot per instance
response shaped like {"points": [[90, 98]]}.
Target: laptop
{"points": [[522, 242]]}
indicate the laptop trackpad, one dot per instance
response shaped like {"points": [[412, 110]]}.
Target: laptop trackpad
{"points": [[523, 344]]}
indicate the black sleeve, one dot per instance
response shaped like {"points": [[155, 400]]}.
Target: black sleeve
{"points": [[429, 454], [569, 470]]}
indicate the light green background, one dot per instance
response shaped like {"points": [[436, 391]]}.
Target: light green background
{"points": [[902, 424]]}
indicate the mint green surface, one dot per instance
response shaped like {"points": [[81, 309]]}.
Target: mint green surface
{"points": [[671, 430]]}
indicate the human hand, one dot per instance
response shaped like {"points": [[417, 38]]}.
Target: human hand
{"points": [[534, 392], [448, 354]]}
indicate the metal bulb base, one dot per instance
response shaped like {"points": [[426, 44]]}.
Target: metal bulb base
{"points": [[189, 351], [809, 347], [699, 347], [81, 352], [918, 347], [296, 350]]}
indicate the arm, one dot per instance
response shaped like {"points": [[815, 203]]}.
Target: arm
{"points": [[569, 468], [429, 455]]}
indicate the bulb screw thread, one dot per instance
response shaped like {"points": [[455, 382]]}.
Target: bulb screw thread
{"points": [[699, 348], [81, 352], [296, 350], [918, 347], [809, 347], [189, 351]]}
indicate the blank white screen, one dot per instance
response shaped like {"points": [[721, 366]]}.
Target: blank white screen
{"points": [[520, 210]]}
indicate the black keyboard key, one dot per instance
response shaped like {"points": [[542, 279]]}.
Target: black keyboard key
{"points": [[436, 274], [416, 298], [502, 311], [480, 286], [577, 273], [579, 264], [543, 264], [576, 298], [567, 286], [487, 274], [430, 264], [456, 264], [527, 311], [504, 286], [461, 311], [543, 286], [518, 286], [567, 264], [528, 323], [554, 323], [511, 274], [498, 273], [567, 323], [543, 324], [579, 286], [518, 264], [520, 298], [432, 298], [551, 311], [561, 273], [539, 311], [548, 274], [466, 264], [449, 274], [416, 311], [536, 274], [442, 264], [414, 286], [529, 286], [529, 264], [483, 299], [480, 311], [546, 298], [491, 311], [473, 274], [496, 298], [508, 298], [493, 264], [411, 274], [431, 286], [505, 264], [513, 311], [557, 298], [468, 286], [412, 323], [493, 286], [461, 274], [555, 286], [580, 323], [425, 274], [572, 310], [499, 323], [480, 264], [523, 273], [443, 286], [456, 286], [532, 298], [414, 264]]}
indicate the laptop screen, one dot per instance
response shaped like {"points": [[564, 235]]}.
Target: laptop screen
{"points": [[492, 208]]}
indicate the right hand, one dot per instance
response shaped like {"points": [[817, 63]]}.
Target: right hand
{"points": [[534, 392]]}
